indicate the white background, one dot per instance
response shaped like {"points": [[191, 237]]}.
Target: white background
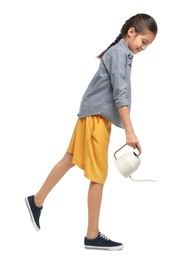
{"points": [[48, 55]]}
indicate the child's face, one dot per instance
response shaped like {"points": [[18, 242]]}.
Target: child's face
{"points": [[138, 42]]}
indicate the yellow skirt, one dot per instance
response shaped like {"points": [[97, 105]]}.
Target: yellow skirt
{"points": [[89, 147]]}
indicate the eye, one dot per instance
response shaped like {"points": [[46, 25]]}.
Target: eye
{"points": [[144, 42]]}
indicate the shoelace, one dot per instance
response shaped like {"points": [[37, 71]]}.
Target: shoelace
{"points": [[103, 236]]}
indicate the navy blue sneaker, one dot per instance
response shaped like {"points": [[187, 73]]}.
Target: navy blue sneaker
{"points": [[102, 242], [34, 211]]}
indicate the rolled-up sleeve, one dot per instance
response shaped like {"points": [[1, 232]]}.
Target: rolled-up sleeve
{"points": [[116, 64]]}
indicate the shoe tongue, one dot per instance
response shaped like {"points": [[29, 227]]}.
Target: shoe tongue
{"points": [[103, 236]]}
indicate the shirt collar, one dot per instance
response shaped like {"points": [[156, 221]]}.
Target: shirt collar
{"points": [[127, 50]]}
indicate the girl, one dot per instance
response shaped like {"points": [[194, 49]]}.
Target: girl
{"points": [[106, 101]]}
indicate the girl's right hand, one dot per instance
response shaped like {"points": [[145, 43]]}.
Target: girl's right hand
{"points": [[133, 141]]}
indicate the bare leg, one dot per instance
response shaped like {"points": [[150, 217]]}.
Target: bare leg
{"points": [[94, 204], [55, 175]]}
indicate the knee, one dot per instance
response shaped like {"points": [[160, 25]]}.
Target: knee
{"points": [[68, 158]]}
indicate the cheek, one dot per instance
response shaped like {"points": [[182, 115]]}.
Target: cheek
{"points": [[136, 47], [137, 44]]}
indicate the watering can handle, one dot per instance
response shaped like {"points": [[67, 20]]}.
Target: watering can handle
{"points": [[120, 149]]}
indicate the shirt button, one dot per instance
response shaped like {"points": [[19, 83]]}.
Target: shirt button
{"points": [[130, 56]]}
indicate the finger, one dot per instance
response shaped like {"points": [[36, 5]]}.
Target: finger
{"points": [[139, 148]]}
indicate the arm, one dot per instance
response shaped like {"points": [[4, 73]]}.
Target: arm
{"points": [[131, 138], [116, 66]]}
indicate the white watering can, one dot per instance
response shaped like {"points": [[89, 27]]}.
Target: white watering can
{"points": [[127, 163]]}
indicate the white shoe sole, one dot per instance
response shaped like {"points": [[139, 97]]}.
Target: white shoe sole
{"points": [[112, 248], [31, 215]]}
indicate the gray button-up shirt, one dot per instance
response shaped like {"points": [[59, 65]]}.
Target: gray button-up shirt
{"points": [[110, 87]]}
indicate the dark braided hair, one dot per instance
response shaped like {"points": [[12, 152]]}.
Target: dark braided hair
{"points": [[140, 22]]}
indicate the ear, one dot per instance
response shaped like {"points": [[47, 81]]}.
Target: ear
{"points": [[131, 32]]}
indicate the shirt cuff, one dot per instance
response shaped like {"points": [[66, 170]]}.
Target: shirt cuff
{"points": [[121, 103]]}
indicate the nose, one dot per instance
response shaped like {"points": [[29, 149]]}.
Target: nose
{"points": [[144, 47]]}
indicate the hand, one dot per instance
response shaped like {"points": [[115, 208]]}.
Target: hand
{"points": [[133, 141]]}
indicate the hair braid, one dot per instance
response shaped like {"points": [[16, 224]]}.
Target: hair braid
{"points": [[118, 38]]}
